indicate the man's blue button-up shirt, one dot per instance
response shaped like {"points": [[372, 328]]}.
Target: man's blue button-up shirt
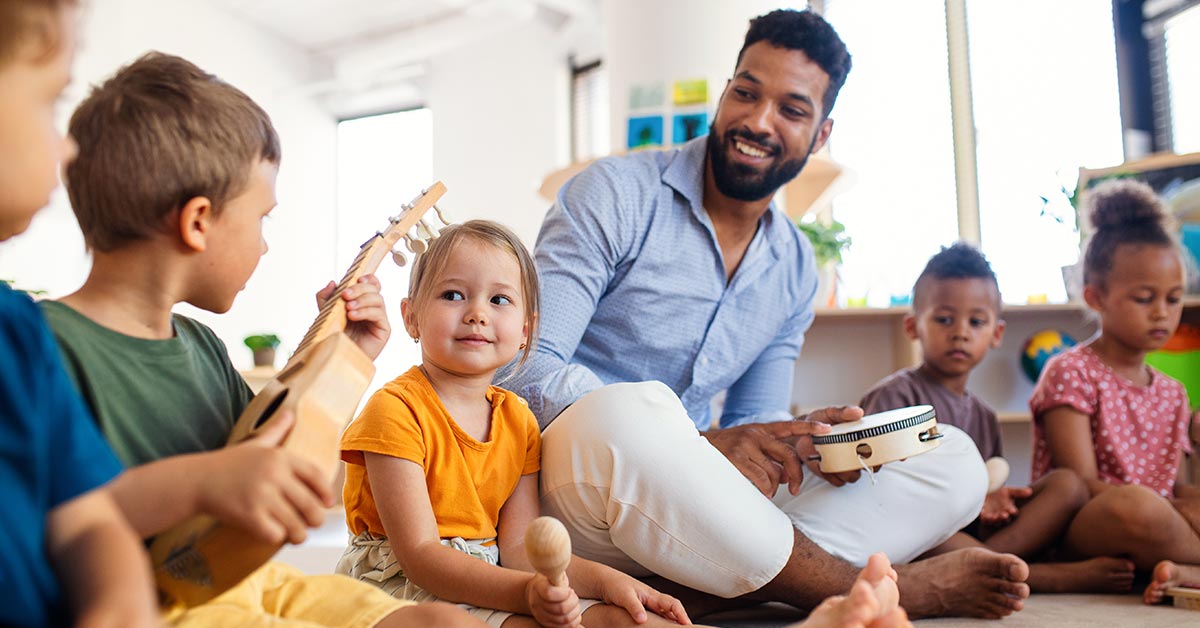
{"points": [[633, 288]]}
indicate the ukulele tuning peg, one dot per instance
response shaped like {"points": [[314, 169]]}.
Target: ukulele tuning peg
{"points": [[399, 258], [416, 245], [426, 232], [441, 216]]}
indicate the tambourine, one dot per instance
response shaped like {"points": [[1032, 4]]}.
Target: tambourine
{"points": [[877, 438]]}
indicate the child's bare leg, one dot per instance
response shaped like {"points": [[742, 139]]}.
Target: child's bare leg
{"points": [[516, 621], [1103, 574], [1189, 508], [1043, 517], [432, 614], [1135, 522], [1168, 574], [609, 616]]}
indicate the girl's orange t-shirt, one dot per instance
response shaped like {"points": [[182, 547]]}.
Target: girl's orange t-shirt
{"points": [[468, 480]]}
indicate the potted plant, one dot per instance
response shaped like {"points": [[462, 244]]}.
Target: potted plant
{"points": [[828, 240], [263, 346]]}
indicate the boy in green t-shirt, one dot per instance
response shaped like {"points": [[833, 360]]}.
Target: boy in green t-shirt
{"points": [[175, 174]]}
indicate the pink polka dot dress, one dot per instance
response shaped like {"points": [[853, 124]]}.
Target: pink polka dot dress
{"points": [[1138, 432]]}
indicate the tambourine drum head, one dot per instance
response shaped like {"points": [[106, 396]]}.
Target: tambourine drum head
{"points": [[877, 439]]}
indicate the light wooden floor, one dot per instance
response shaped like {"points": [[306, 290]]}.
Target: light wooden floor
{"points": [[320, 553]]}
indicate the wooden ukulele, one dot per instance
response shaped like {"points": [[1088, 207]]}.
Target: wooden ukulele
{"points": [[321, 384]]}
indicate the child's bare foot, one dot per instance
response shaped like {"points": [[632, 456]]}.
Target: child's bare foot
{"points": [[1097, 575], [873, 601], [1168, 574], [860, 609], [971, 582]]}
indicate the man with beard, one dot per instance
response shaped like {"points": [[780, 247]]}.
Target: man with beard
{"points": [[668, 277]]}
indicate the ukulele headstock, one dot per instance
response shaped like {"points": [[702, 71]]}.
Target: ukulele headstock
{"points": [[417, 236]]}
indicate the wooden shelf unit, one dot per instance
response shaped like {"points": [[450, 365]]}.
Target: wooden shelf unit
{"points": [[848, 350]]}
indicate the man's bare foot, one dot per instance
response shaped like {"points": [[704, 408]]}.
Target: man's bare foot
{"points": [[1168, 574], [1097, 575], [972, 582]]}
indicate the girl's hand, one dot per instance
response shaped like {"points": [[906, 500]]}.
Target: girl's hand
{"points": [[551, 606], [635, 596]]}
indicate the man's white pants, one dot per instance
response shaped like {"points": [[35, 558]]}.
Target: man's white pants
{"points": [[641, 490]]}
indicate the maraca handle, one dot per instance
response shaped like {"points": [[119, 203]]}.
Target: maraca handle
{"points": [[549, 548]]}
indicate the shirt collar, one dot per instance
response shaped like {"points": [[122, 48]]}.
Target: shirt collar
{"points": [[685, 174]]}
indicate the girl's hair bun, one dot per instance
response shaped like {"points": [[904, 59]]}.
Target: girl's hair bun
{"points": [[1123, 203]]}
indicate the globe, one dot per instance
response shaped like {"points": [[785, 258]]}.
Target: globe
{"points": [[1039, 347]]}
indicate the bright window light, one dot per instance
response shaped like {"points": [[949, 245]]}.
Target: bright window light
{"points": [[383, 162], [1043, 109], [892, 129], [1183, 64]]}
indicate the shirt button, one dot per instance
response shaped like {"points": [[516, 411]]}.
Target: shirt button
{"points": [[703, 361]]}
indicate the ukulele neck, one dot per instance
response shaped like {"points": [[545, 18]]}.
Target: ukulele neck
{"points": [[332, 317]]}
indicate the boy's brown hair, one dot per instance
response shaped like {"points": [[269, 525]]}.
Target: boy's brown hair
{"points": [[22, 20], [154, 136]]}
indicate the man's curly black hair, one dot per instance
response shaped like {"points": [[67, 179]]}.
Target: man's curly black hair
{"points": [[809, 33]]}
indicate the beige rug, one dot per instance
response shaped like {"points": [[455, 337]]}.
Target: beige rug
{"points": [[1082, 611], [1044, 610]]}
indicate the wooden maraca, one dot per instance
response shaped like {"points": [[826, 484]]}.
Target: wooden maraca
{"points": [[549, 548]]}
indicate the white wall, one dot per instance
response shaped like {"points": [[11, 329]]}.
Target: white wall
{"points": [[669, 40], [500, 125], [51, 257]]}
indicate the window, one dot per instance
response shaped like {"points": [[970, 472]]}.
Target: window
{"points": [[892, 130], [1042, 110], [1044, 102], [1182, 49], [589, 112], [383, 162]]}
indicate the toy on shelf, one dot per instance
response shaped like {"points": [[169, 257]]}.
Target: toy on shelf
{"points": [[1039, 347], [1180, 359]]}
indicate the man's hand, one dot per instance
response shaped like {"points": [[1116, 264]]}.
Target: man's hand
{"points": [[807, 452], [764, 452], [1000, 506], [366, 315]]}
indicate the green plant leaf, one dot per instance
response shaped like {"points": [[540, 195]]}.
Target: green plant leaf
{"points": [[828, 240], [261, 341]]}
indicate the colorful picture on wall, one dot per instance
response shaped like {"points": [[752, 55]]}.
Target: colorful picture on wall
{"points": [[689, 126], [645, 132], [646, 96], [690, 92]]}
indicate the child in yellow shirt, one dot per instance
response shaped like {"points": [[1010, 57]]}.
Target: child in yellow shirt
{"points": [[442, 479]]}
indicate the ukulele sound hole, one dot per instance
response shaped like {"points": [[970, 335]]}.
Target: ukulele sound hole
{"points": [[271, 409], [863, 450]]}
